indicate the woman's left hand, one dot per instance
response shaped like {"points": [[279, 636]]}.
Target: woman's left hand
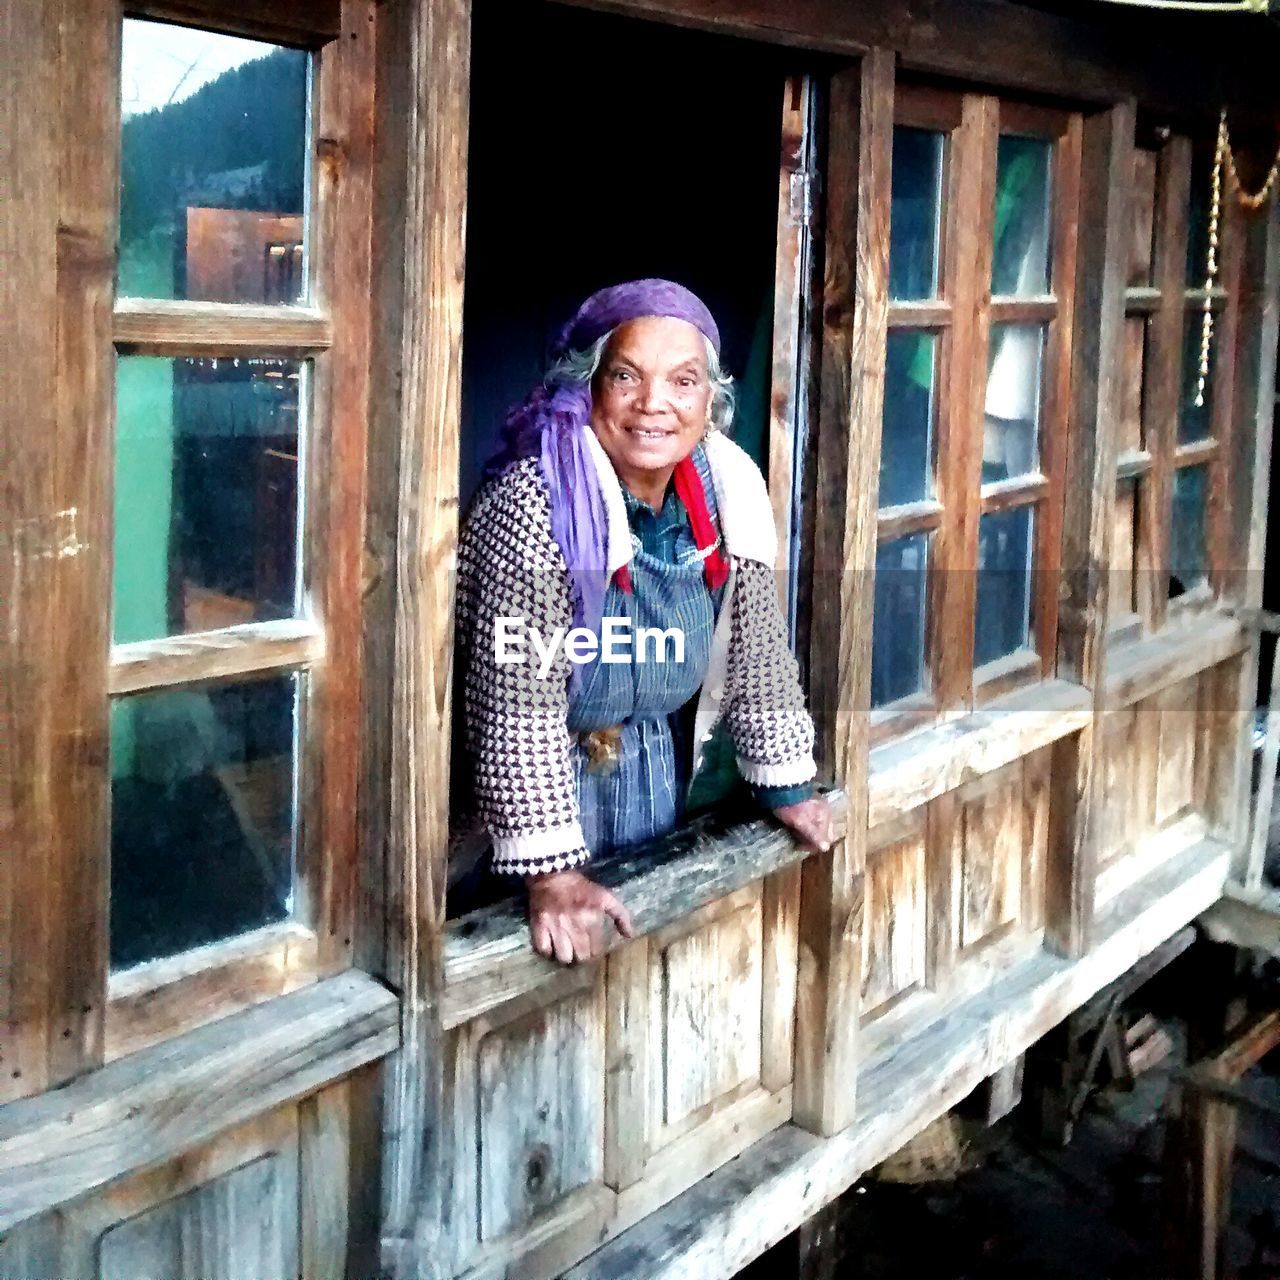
{"points": [[812, 821]]}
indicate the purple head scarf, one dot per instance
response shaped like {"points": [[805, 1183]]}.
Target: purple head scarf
{"points": [[551, 422]]}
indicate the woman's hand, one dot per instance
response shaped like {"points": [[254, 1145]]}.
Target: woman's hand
{"points": [[566, 916], [812, 821]]}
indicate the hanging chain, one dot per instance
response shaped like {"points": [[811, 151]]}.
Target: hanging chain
{"points": [[1224, 160]]}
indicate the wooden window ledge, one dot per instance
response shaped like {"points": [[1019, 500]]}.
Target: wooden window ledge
{"points": [[1144, 667], [152, 1106], [920, 766], [488, 958]]}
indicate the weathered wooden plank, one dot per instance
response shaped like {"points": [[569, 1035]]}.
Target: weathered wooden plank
{"points": [[895, 954], [325, 1190], [718, 1226], [626, 1096], [342, 178], [143, 1110], [991, 42], [215, 655], [308, 23], [781, 970], [488, 958], [855, 314], [920, 767], [423, 76], [1088, 521], [157, 327], [60, 121], [159, 999], [1246, 918], [1139, 671]]}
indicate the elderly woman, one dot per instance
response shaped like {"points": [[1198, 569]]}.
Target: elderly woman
{"points": [[618, 503]]}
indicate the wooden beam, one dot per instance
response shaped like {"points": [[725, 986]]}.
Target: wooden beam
{"points": [[214, 655], [855, 315], [420, 190], [488, 958], [725, 1221], [156, 1105], [1011, 46], [1141, 669], [1088, 520], [1246, 918], [308, 23], [59, 114], [152, 327]]}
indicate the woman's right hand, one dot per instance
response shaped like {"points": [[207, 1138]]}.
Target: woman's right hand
{"points": [[566, 916]]}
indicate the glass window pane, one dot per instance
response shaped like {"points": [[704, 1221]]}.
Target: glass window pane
{"points": [[206, 530], [1198, 217], [906, 454], [897, 637], [212, 167], [1195, 421], [202, 815], [1020, 261], [1011, 435], [1003, 617], [1188, 555], [916, 213]]}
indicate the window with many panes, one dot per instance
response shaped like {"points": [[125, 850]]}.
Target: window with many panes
{"points": [[981, 263], [1168, 530], [241, 380]]}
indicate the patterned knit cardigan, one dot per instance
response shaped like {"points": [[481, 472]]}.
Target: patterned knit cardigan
{"points": [[517, 721]]}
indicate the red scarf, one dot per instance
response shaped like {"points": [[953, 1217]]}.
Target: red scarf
{"points": [[689, 490]]}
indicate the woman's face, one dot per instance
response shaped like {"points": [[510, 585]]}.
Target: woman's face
{"points": [[650, 396]]}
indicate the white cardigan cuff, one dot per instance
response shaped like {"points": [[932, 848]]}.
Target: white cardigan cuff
{"points": [[790, 774]]}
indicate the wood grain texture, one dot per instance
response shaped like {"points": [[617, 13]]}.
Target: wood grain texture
{"points": [[895, 955], [1088, 519], [626, 1136], [718, 1226], [342, 177], [1137, 671], [488, 958], [214, 655], [423, 71], [162, 998], [159, 1103], [922, 766], [855, 315], [155, 327], [308, 23], [59, 118]]}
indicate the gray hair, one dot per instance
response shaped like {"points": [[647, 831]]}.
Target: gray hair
{"points": [[580, 368]]}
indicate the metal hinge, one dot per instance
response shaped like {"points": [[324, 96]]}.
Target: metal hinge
{"points": [[802, 185]]}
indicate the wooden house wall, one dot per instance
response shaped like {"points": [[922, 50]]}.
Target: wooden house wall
{"points": [[805, 1014]]}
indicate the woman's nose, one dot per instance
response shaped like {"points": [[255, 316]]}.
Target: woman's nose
{"points": [[653, 395]]}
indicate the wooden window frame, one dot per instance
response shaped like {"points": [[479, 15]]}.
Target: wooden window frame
{"points": [[961, 315], [1165, 306], [330, 332]]}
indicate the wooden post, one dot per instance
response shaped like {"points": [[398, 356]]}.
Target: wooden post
{"points": [[59, 119], [419, 220], [1088, 520], [1249, 472], [855, 311]]}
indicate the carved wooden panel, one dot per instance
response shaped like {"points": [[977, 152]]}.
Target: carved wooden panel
{"points": [[894, 934], [991, 861], [705, 1000], [541, 1110], [1175, 780]]}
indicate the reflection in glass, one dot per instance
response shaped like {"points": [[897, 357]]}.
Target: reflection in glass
{"points": [[906, 464], [206, 531], [1010, 441], [916, 211], [1188, 555], [202, 815], [212, 166], [1195, 422], [897, 637], [1003, 616], [1020, 261]]}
